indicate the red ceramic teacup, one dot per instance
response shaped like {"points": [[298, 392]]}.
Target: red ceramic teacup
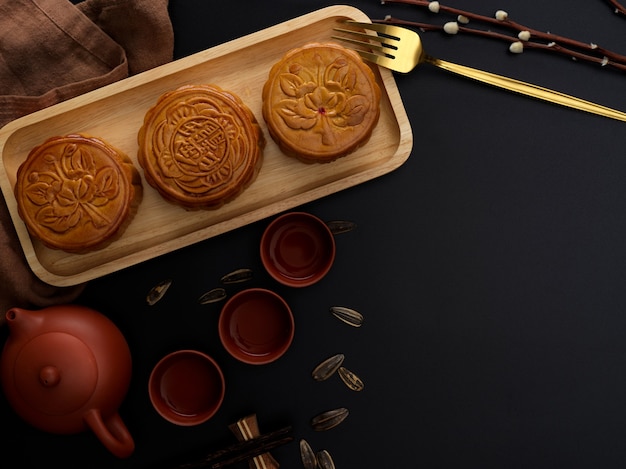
{"points": [[186, 387], [297, 249], [256, 326]]}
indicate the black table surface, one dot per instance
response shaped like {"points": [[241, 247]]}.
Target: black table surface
{"points": [[489, 267]]}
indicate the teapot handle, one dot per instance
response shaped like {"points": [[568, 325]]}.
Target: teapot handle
{"points": [[112, 433]]}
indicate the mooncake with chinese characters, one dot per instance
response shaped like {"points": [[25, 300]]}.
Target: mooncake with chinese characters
{"points": [[200, 146]]}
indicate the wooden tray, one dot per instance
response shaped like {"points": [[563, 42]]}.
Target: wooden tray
{"points": [[115, 113]]}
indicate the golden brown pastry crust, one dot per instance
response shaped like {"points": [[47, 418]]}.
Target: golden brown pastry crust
{"points": [[200, 146], [77, 193], [321, 102]]}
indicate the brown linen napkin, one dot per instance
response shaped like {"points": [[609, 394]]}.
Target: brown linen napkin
{"points": [[53, 50]]}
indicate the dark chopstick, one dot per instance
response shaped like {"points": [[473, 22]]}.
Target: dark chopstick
{"points": [[253, 452], [241, 450]]}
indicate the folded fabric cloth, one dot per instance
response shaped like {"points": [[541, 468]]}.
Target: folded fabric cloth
{"points": [[53, 50]]}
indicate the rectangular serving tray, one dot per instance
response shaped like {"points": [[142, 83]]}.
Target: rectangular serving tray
{"points": [[115, 113]]}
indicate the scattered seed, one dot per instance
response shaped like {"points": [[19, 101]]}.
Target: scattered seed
{"points": [[212, 296], [324, 460], [158, 291], [237, 276], [309, 461], [329, 419], [325, 370], [350, 379], [347, 315], [340, 226]]}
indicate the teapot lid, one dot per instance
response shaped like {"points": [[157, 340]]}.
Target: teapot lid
{"points": [[55, 373]]}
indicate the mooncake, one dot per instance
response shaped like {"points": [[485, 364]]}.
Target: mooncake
{"points": [[77, 193], [321, 102], [200, 146]]}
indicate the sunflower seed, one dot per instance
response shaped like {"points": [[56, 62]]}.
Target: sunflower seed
{"points": [[347, 315], [237, 276], [212, 296], [158, 291], [309, 460], [325, 370], [329, 419], [324, 460], [350, 379], [340, 226]]}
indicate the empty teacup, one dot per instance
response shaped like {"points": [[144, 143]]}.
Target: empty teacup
{"points": [[297, 249], [186, 387], [256, 326]]}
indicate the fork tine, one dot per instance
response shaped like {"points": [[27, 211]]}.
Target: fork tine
{"points": [[386, 45], [384, 32], [375, 48], [385, 60], [382, 60], [365, 43], [387, 29], [366, 37]]}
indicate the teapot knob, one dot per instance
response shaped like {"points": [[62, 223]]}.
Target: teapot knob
{"points": [[49, 376]]}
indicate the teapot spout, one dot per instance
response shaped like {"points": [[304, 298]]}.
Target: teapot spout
{"points": [[23, 322]]}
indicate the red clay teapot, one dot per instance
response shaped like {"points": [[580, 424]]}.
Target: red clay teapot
{"points": [[66, 369]]}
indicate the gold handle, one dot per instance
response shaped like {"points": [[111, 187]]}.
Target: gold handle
{"points": [[528, 89]]}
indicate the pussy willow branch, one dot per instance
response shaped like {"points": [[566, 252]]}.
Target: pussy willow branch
{"points": [[526, 38], [619, 9]]}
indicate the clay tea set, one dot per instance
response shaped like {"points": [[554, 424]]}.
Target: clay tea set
{"points": [[67, 368]]}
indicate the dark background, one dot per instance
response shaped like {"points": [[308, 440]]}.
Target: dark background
{"points": [[490, 269]]}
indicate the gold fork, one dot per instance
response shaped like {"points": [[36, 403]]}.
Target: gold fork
{"points": [[400, 49]]}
